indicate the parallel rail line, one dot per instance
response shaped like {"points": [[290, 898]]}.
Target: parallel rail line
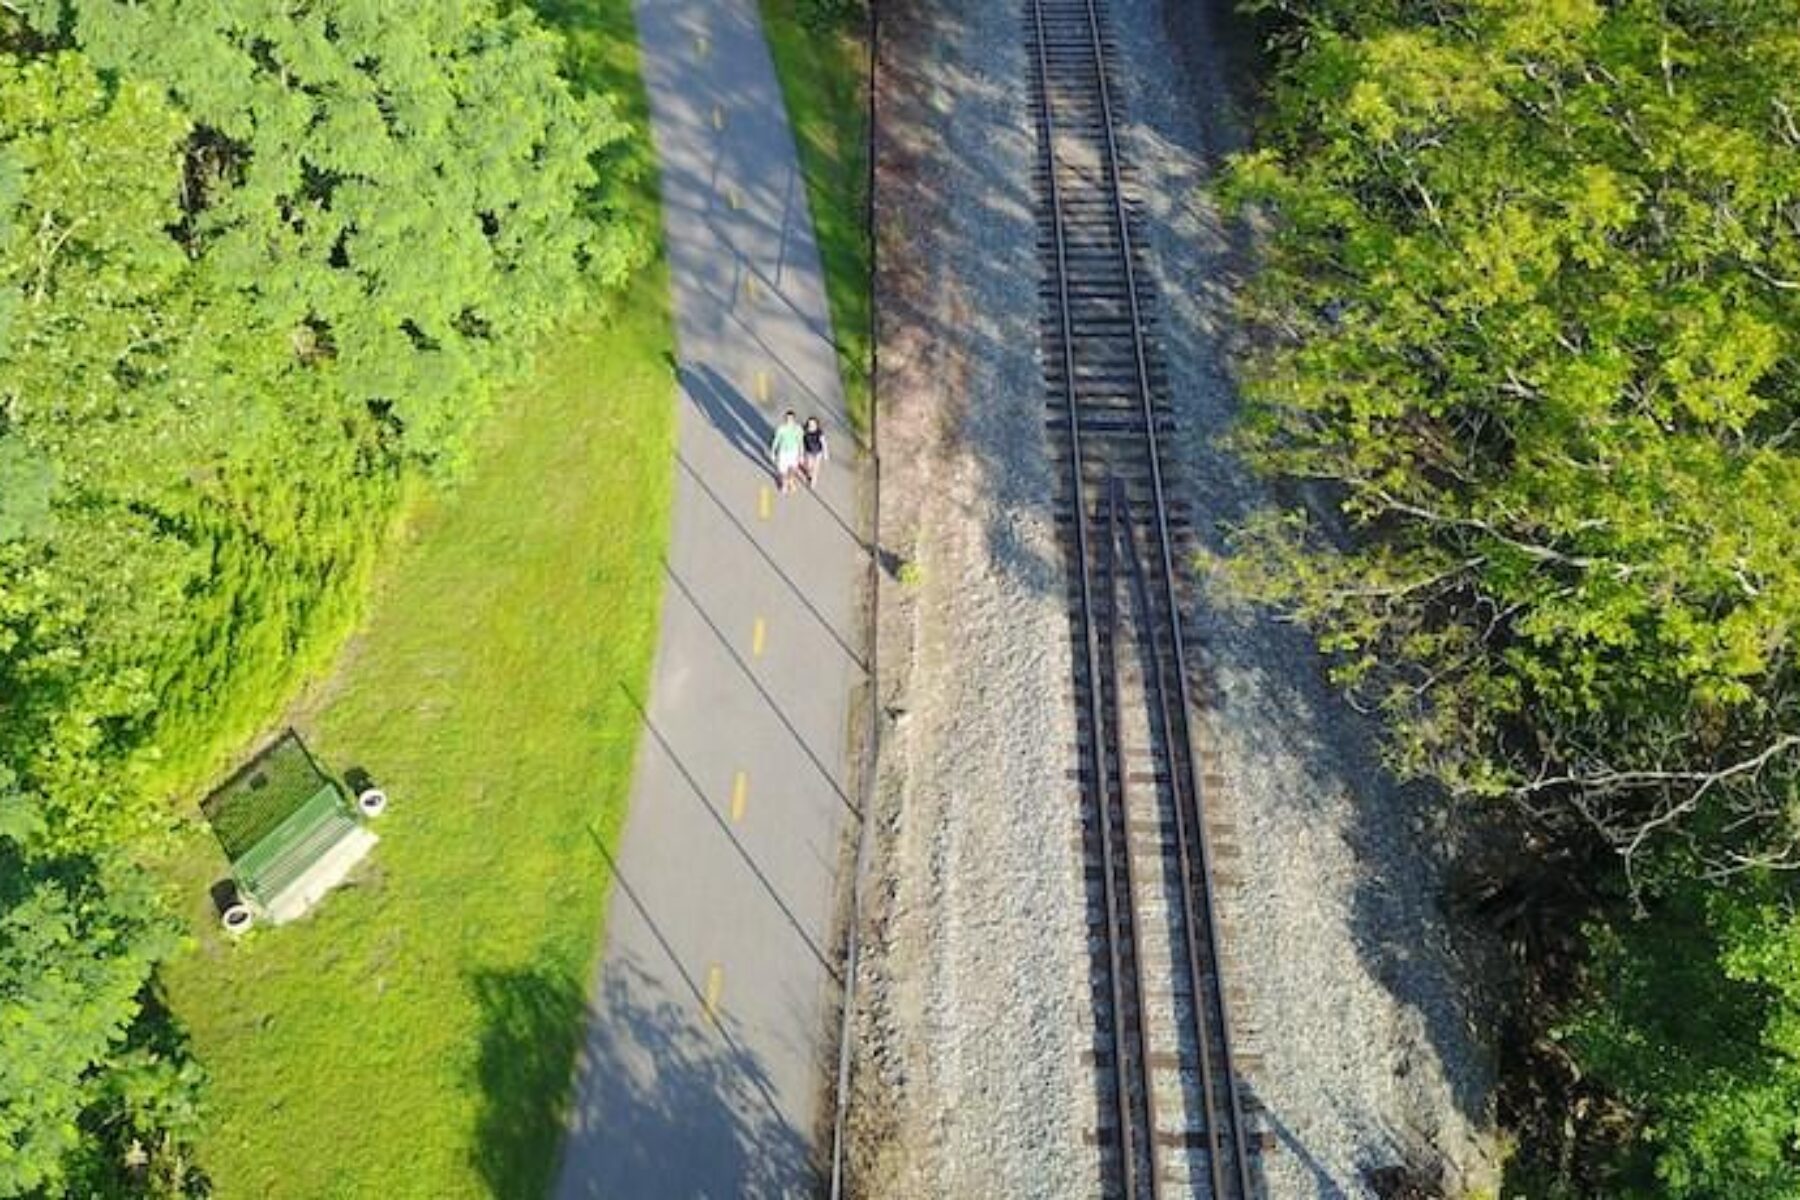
{"points": [[1172, 1116]]}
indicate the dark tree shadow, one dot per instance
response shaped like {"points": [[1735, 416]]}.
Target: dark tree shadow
{"points": [[632, 1092], [137, 1137], [599, 55], [674, 1108], [531, 1023]]}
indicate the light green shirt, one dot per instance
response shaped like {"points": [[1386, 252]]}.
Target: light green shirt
{"points": [[787, 440]]}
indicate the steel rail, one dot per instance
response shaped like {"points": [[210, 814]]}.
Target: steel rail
{"points": [[1127, 1150], [1115, 533], [1240, 1154], [1222, 1108]]}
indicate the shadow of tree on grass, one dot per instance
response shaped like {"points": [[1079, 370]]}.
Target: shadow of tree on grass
{"points": [[600, 56], [531, 1024]]}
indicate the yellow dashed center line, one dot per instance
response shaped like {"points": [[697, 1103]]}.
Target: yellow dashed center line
{"points": [[734, 197], [715, 987], [750, 288], [718, 117], [740, 796], [702, 45], [765, 502], [758, 634], [762, 387]]}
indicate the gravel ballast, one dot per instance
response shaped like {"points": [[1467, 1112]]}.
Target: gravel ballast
{"points": [[1358, 1005], [974, 1082]]}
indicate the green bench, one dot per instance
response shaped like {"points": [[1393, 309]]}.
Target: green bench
{"points": [[288, 832]]}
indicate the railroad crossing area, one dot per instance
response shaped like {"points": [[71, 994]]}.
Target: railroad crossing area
{"points": [[701, 1070]]}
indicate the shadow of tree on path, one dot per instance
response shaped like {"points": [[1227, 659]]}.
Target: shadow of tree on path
{"points": [[673, 1106]]}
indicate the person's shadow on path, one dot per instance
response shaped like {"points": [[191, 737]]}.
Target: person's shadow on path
{"points": [[745, 427]]}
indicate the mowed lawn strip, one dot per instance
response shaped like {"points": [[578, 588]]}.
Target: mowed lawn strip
{"points": [[415, 1036], [824, 80]]}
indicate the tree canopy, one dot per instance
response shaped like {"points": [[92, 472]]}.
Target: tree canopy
{"points": [[1694, 1020], [259, 263], [1526, 351], [1531, 310], [77, 940], [255, 260]]}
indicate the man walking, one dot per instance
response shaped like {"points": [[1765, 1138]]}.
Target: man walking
{"points": [[784, 448]]}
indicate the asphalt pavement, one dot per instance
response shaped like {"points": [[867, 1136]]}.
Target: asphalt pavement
{"points": [[708, 1046]]}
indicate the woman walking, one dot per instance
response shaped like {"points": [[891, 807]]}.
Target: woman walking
{"points": [[784, 448], [812, 450]]}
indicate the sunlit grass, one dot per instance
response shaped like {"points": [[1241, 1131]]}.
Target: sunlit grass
{"points": [[357, 1053], [416, 1035], [824, 77]]}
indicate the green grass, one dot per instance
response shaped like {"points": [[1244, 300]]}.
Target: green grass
{"points": [[824, 78], [416, 1035], [259, 798]]}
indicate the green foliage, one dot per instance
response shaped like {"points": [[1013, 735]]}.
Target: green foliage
{"points": [[225, 341], [1529, 328], [259, 265], [400, 188], [824, 15], [78, 940], [94, 385], [1694, 1020], [518, 622], [1531, 312], [26, 480]]}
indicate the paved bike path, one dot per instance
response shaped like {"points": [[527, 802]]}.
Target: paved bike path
{"points": [[702, 1069]]}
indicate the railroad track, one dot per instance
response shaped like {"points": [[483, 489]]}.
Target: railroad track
{"points": [[1171, 1120]]}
